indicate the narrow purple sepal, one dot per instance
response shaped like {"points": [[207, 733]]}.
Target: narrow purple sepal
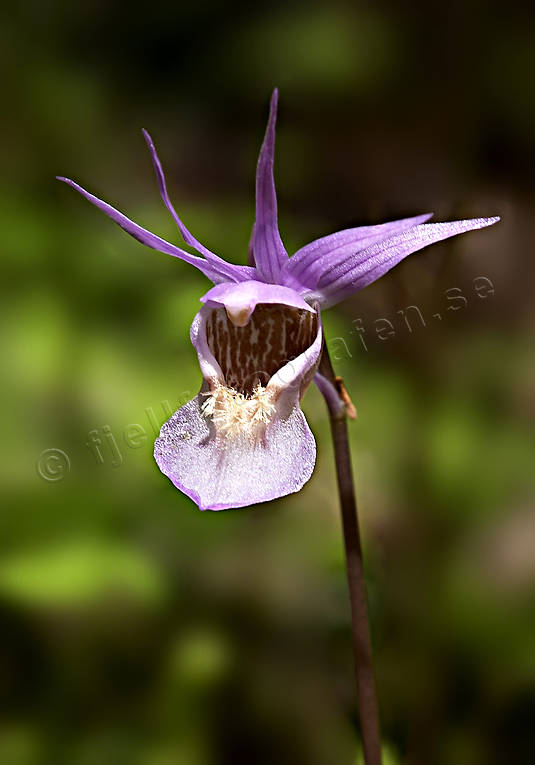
{"points": [[230, 270], [311, 262], [341, 281], [146, 237], [216, 272], [269, 252]]}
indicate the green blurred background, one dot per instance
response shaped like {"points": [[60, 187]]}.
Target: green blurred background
{"points": [[135, 629]]}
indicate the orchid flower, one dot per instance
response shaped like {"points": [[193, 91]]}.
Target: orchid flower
{"points": [[258, 336]]}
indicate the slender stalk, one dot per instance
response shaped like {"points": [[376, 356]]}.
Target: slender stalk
{"points": [[340, 406]]}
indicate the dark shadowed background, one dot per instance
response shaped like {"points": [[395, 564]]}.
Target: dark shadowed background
{"points": [[136, 630]]}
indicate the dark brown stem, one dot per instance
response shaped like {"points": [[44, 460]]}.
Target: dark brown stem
{"points": [[366, 691]]}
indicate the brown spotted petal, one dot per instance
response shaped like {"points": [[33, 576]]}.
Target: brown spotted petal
{"points": [[244, 439]]}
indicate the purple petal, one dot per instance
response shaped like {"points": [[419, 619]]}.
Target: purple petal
{"points": [[210, 369], [241, 299], [220, 465], [343, 280], [307, 265], [188, 237], [269, 252], [216, 272], [219, 474]]}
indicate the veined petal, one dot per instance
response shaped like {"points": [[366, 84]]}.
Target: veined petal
{"points": [[217, 272], [344, 280], [269, 252], [306, 267], [188, 237]]}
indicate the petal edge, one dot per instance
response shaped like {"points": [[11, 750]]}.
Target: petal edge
{"points": [[218, 475]]}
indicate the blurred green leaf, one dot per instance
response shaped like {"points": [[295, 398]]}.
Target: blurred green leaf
{"points": [[79, 573]]}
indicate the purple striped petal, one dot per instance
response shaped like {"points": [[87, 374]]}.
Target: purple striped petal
{"points": [[307, 265], [269, 252], [215, 271], [342, 281], [188, 237]]}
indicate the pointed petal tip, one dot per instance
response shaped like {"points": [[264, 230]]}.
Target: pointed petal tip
{"points": [[273, 111], [268, 249], [381, 256], [147, 137], [481, 222], [69, 182], [478, 222], [73, 184]]}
